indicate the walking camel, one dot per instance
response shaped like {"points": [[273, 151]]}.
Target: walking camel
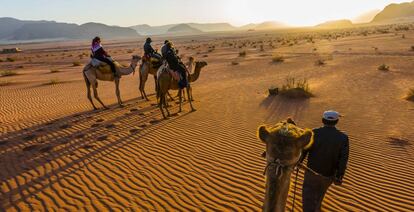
{"points": [[146, 69], [92, 74], [284, 145], [166, 82]]}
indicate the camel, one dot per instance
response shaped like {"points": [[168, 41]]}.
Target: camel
{"points": [[192, 77], [92, 74], [166, 82], [284, 145], [146, 69]]}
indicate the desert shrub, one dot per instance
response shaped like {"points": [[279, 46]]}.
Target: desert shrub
{"points": [[383, 67], [4, 83], [206, 55], [412, 48], [130, 51], [8, 73], [410, 95], [52, 82], [54, 70], [242, 54], [10, 59], [235, 63], [278, 59], [320, 62], [76, 63], [294, 88]]}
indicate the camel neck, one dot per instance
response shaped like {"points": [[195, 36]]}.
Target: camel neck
{"points": [[277, 188]]}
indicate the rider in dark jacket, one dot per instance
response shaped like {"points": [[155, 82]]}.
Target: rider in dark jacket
{"points": [[175, 64], [149, 51]]}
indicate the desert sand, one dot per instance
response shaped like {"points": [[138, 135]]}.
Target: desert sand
{"points": [[58, 154]]}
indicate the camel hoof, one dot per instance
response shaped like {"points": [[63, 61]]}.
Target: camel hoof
{"points": [[193, 110], [121, 106]]}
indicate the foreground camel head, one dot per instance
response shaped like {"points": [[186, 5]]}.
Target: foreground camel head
{"points": [[200, 64], [284, 145]]}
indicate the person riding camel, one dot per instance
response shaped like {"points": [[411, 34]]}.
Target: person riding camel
{"points": [[175, 64], [100, 54], [149, 52]]}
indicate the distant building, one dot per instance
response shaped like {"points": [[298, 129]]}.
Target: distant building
{"points": [[12, 50]]}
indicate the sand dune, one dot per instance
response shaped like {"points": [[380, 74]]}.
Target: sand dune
{"points": [[56, 154]]}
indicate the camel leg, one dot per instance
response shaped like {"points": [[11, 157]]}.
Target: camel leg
{"points": [[160, 104], [188, 94], [191, 94], [169, 95], [117, 91], [180, 100], [142, 80], [95, 94], [166, 105], [88, 90]]}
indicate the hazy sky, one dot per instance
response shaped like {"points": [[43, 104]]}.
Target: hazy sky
{"points": [[159, 12]]}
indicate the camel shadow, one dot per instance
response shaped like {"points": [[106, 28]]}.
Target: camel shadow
{"points": [[279, 107], [73, 142]]}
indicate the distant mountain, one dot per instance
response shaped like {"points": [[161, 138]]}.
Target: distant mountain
{"points": [[392, 12], [183, 29], [145, 29], [336, 24], [365, 17], [264, 26], [213, 27], [14, 29]]}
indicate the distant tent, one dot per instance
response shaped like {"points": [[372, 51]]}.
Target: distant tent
{"points": [[12, 50]]}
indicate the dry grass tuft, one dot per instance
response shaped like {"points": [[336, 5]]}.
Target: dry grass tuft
{"points": [[53, 82], [242, 54], [383, 67], [294, 88], [54, 70], [410, 95], [278, 59], [76, 63], [320, 62], [8, 73], [235, 63]]}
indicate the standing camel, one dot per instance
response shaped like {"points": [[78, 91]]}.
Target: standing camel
{"points": [[92, 74], [146, 69], [284, 145], [166, 82]]}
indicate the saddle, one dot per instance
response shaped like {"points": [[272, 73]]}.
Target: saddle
{"points": [[165, 68], [102, 66], [155, 63]]}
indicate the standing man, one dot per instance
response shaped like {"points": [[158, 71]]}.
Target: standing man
{"points": [[327, 160]]}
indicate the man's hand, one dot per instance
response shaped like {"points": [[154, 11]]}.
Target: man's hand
{"points": [[337, 181]]}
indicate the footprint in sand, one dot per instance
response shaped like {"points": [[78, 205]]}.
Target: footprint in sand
{"points": [[88, 146], [110, 126], [134, 110], [133, 131], [143, 125], [77, 115], [80, 136], [46, 149], [31, 147], [95, 125], [102, 138], [65, 126], [29, 137], [40, 130], [100, 120], [155, 121]]}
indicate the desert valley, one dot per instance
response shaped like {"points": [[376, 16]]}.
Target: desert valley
{"points": [[57, 153]]}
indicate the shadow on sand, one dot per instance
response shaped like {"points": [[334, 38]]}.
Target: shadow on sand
{"points": [[52, 151]]}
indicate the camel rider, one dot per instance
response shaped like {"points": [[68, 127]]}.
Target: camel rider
{"points": [[164, 48], [149, 51], [175, 64], [327, 160], [100, 54]]}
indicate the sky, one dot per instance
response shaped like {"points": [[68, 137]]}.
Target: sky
{"points": [[161, 12]]}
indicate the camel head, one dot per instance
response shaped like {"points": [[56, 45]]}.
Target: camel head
{"points": [[200, 64], [284, 144], [285, 141], [135, 59]]}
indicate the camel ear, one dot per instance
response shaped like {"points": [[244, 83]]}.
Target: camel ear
{"points": [[290, 121], [306, 140], [262, 133]]}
